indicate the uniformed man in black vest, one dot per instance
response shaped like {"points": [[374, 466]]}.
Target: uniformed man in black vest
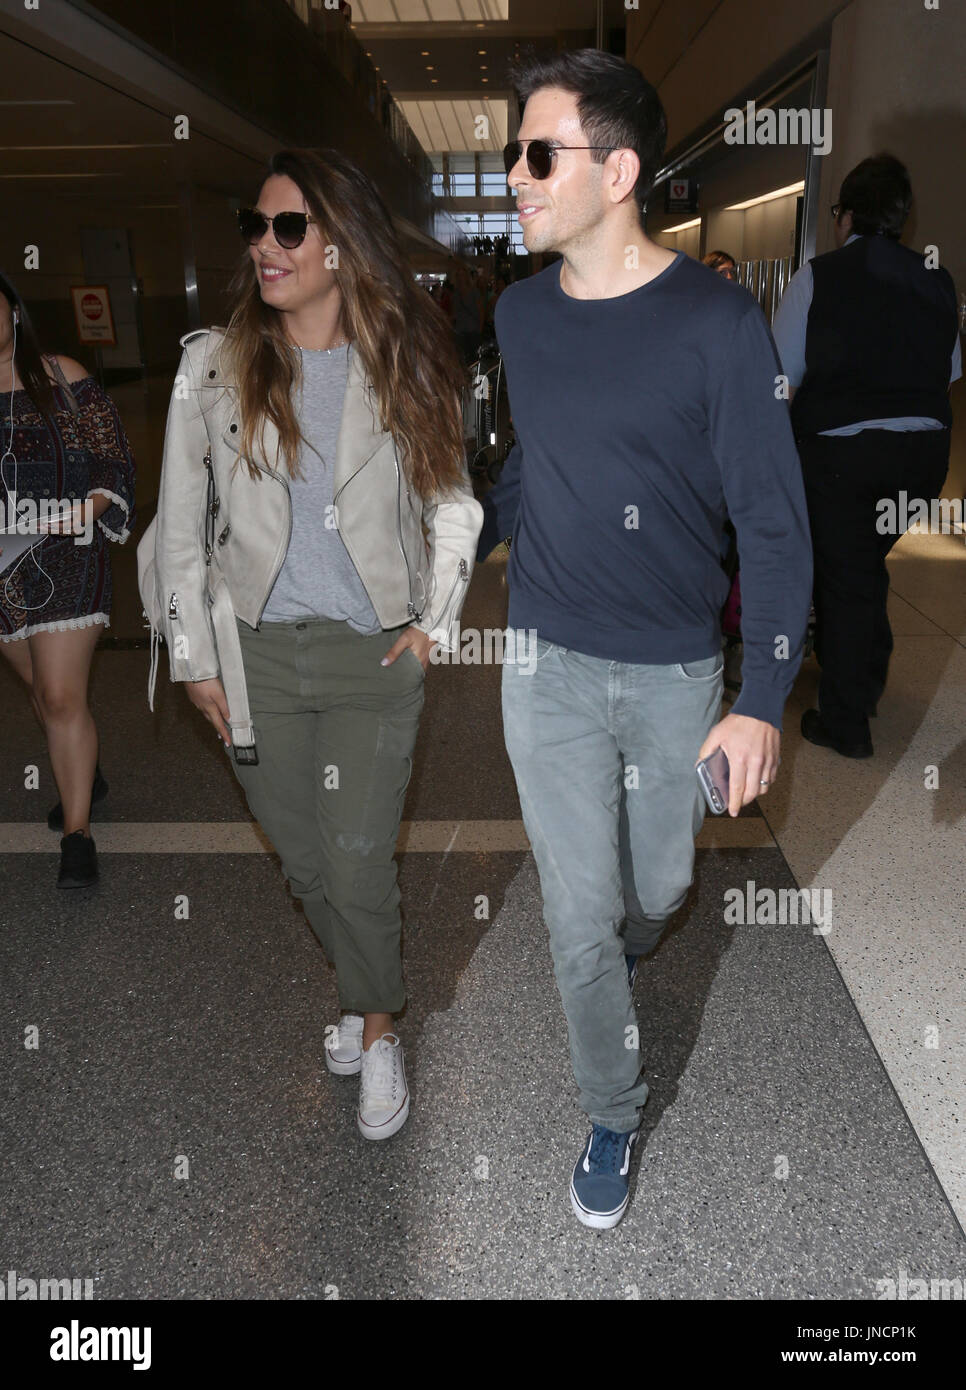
{"points": [[868, 337]]}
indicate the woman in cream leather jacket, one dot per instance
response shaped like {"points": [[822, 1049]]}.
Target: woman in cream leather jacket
{"points": [[315, 537]]}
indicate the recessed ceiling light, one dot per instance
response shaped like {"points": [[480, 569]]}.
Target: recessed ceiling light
{"points": [[484, 79], [481, 50], [483, 67], [424, 53], [429, 68]]}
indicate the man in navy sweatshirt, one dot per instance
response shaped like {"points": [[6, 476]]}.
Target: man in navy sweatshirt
{"points": [[647, 403]]}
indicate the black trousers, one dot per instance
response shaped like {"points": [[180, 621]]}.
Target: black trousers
{"points": [[847, 478]]}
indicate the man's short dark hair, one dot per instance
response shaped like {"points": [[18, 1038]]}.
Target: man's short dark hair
{"points": [[878, 193], [616, 104]]}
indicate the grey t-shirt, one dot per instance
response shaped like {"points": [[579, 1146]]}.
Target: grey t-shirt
{"points": [[318, 578]]}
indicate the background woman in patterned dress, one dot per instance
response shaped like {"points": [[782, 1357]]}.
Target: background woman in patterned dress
{"points": [[62, 440]]}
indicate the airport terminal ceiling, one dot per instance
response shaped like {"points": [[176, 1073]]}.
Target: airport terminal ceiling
{"points": [[77, 153]]}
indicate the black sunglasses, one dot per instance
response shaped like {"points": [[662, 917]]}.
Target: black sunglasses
{"points": [[541, 154], [288, 228]]}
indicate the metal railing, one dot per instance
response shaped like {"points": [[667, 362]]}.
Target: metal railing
{"points": [[767, 281]]}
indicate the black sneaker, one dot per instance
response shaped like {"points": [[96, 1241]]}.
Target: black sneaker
{"points": [[78, 861], [55, 817]]}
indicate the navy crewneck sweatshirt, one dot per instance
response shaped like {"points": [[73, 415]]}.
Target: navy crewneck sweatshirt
{"points": [[642, 421]]}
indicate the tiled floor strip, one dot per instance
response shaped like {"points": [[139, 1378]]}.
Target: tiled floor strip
{"points": [[415, 837]]}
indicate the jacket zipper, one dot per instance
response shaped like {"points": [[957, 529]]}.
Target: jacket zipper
{"points": [[410, 606], [212, 506], [411, 609], [283, 553], [269, 473], [462, 574]]}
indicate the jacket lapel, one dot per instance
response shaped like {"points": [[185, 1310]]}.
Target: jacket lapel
{"points": [[359, 434], [261, 456]]}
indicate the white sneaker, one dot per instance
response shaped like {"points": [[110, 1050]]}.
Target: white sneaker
{"points": [[383, 1093], [343, 1045]]}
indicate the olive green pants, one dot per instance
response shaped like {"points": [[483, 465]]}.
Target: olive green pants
{"points": [[335, 733]]}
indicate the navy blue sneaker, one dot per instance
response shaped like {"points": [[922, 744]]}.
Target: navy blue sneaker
{"points": [[631, 963], [599, 1188]]}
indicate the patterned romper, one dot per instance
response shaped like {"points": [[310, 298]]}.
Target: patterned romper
{"points": [[86, 453]]}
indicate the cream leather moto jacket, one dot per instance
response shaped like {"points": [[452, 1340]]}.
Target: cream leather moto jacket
{"points": [[218, 559]]}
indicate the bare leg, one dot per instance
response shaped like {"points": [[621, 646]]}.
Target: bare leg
{"points": [[373, 1027], [18, 654], [61, 669]]}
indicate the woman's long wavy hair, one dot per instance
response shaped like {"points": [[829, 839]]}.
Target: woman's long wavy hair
{"points": [[28, 360], [402, 337]]}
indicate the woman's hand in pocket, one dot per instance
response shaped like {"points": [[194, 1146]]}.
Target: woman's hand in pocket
{"points": [[421, 643], [209, 697]]}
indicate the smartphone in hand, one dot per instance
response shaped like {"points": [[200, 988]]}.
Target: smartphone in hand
{"points": [[714, 779]]}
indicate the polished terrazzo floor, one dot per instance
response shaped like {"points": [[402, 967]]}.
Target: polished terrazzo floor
{"points": [[801, 1139]]}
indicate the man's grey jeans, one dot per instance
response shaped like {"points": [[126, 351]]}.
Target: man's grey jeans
{"points": [[603, 753]]}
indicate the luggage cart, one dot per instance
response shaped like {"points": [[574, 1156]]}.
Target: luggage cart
{"points": [[487, 426]]}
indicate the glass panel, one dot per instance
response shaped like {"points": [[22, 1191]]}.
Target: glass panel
{"points": [[495, 185], [462, 185]]}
